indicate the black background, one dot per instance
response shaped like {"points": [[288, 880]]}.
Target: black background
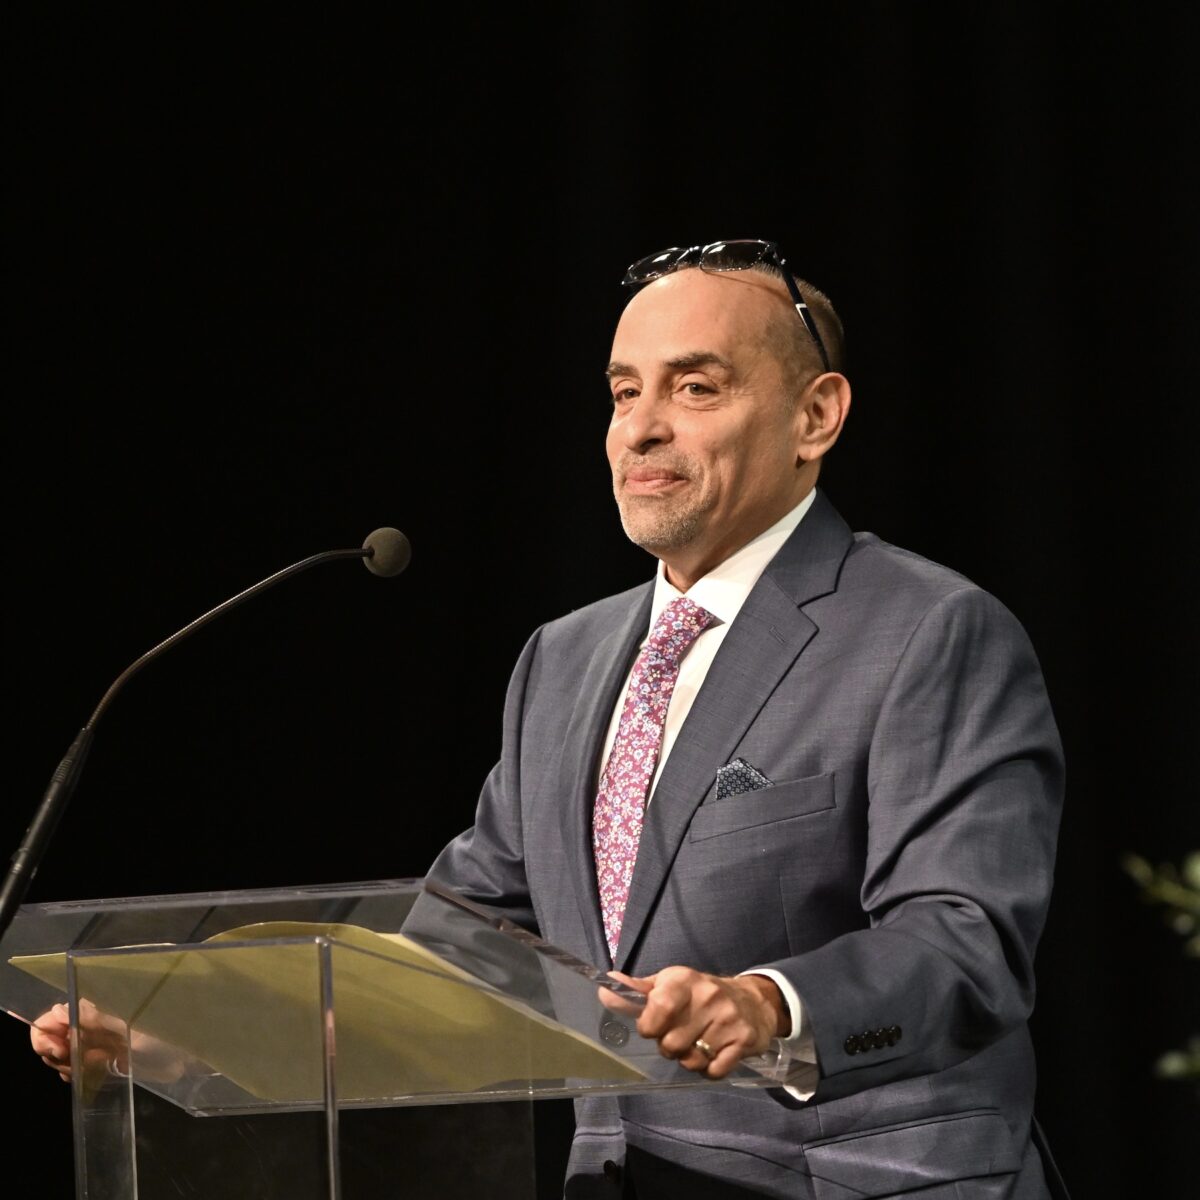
{"points": [[271, 288]]}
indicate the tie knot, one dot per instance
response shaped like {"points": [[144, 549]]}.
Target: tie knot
{"points": [[677, 627]]}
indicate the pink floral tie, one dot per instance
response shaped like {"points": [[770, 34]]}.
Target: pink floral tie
{"points": [[625, 782]]}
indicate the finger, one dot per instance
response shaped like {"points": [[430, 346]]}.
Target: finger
{"points": [[610, 999], [680, 1042], [96, 1020], [725, 1060], [619, 1004], [693, 1057], [707, 1057], [667, 1007], [689, 1056], [48, 1023], [45, 1042], [643, 984], [623, 1004], [48, 1044]]}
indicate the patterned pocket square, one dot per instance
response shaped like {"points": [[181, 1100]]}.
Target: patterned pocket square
{"points": [[738, 777]]}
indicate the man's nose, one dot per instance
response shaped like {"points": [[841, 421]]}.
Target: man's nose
{"points": [[646, 422]]}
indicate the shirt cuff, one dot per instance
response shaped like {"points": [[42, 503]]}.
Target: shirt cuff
{"points": [[799, 1045]]}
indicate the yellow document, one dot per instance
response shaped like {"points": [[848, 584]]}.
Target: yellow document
{"points": [[248, 1003]]}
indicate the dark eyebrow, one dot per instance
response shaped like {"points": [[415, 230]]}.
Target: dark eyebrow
{"points": [[698, 358], [618, 368], [685, 362]]}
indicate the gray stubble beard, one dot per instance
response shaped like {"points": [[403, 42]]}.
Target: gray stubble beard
{"points": [[658, 527]]}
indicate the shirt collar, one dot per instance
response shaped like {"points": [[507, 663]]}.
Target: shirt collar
{"points": [[724, 589]]}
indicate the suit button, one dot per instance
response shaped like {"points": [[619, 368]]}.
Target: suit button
{"points": [[612, 1171], [895, 1033], [852, 1044], [613, 1032]]}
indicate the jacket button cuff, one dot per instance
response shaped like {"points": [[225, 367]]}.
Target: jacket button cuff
{"points": [[853, 1044]]}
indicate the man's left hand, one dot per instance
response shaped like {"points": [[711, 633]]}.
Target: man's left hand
{"points": [[708, 1023]]}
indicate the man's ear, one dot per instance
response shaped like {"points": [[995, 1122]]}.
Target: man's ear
{"points": [[820, 415]]}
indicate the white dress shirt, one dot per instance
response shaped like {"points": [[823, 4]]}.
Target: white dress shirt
{"points": [[722, 592]]}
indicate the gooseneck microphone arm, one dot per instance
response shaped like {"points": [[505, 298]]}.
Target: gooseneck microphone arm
{"points": [[211, 615], [386, 552]]}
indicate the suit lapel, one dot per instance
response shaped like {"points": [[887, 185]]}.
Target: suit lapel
{"points": [[760, 648], [602, 680]]}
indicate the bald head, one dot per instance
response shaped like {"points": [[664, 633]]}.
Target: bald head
{"points": [[770, 319], [792, 339]]}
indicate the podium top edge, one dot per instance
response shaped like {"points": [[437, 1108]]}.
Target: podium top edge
{"points": [[375, 887]]}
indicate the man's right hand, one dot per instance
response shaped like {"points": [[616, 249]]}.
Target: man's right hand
{"points": [[50, 1037], [104, 1041], [106, 1045]]}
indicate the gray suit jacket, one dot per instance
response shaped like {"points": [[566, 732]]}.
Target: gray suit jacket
{"points": [[897, 871]]}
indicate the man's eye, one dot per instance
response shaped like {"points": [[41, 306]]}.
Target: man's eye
{"points": [[621, 394], [698, 389]]}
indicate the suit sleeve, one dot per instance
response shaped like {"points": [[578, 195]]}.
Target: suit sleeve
{"points": [[487, 862], [965, 784]]}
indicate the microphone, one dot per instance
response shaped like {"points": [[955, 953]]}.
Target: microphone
{"points": [[386, 552]]}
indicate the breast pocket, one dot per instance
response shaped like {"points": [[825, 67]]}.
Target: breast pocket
{"points": [[779, 802]]}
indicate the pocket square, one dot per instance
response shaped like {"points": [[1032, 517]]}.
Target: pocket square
{"points": [[737, 777]]}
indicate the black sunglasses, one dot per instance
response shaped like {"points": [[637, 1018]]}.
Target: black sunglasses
{"points": [[737, 255]]}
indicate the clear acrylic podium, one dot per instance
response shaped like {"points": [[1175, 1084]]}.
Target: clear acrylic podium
{"points": [[352, 1042]]}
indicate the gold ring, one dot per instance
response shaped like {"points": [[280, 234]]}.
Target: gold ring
{"points": [[705, 1049]]}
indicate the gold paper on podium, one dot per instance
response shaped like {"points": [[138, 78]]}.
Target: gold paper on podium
{"points": [[248, 1004]]}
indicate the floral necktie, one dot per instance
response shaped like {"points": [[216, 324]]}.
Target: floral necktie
{"points": [[625, 781]]}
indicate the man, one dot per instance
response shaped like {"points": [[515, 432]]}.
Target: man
{"points": [[803, 785], [821, 805]]}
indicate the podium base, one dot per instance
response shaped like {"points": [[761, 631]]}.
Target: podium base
{"points": [[515, 1150]]}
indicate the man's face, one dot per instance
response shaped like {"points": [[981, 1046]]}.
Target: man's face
{"points": [[703, 439]]}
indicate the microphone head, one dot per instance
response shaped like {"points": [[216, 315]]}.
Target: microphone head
{"points": [[388, 552]]}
